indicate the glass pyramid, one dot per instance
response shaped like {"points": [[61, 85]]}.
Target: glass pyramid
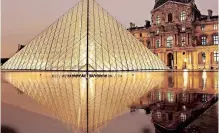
{"points": [[80, 103], [86, 38]]}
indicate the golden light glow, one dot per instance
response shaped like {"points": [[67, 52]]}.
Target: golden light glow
{"points": [[67, 95], [86, 35]]}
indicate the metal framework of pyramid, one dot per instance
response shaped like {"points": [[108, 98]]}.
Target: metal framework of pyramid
{"points": [[86, 38]]}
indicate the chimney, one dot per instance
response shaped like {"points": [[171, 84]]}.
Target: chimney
{"points": [[210, 12], [147, 23], [132, 25]]}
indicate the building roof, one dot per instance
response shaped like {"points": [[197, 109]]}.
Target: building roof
{"points": [[206, 17], [161, 2]]}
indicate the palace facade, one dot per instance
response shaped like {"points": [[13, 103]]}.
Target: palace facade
{"points": [[180, 35]]}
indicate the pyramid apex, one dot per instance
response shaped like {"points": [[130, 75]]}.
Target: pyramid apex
{"points": [[85, 39]]}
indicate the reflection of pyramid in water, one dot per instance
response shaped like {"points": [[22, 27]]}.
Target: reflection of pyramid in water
{"points": [[85, 38], [66, 97]]}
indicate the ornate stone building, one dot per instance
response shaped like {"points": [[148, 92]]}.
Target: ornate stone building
{"points": [[180, 35]]}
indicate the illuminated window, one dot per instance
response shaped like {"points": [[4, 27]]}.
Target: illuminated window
{"points": [[215, 39], [204, 98], [169, 41], [170, 97], [157, 31], [183, 41], [215, 26], [202, 27], [158, 19], [216, 56], [204, 40], [158, 96], [183, 16], [183, 117], [159, 115], [157, 43], [183, 28], [201, 57]]}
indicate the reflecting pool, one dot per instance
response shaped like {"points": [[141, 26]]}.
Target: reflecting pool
{"points": [[91, 103]]}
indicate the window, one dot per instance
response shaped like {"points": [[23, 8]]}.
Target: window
{"points": [[202, 27], [157, 31], [158, 19], [148, 44], [183, 40], [157, 43], [215, 39], [183, 28], [140, 34], [204, 98], [183, 117], [201, 57], [169, 41], [183, 16], [159, 115], [170, 17], [170, 97], [215, 26], [204, 40], [216, 56]]}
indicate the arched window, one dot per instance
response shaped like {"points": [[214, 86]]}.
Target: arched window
{"points": [[140, 34], [169, 41], [158, 19], [170, 17], [201, 57]]}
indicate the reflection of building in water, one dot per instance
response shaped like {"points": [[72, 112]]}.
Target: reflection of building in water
{"points": [[66, 95], [183, 82], [171, 112]]}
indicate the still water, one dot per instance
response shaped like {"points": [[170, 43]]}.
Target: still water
{"points": [[94, 103]]}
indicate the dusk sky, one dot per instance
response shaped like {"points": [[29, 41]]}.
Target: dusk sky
{"points": [[22, 20]]}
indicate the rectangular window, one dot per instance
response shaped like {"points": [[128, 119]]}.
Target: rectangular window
{"points": [[183, 16], [157, 43], [183, 41], [140, 35], [215, 38], [158, 20], [203, 27], [216, 56], [204, 40], [169, 41], [215, 26]]}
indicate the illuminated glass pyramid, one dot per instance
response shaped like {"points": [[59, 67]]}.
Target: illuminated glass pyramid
{"points": [[86, 38]]}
